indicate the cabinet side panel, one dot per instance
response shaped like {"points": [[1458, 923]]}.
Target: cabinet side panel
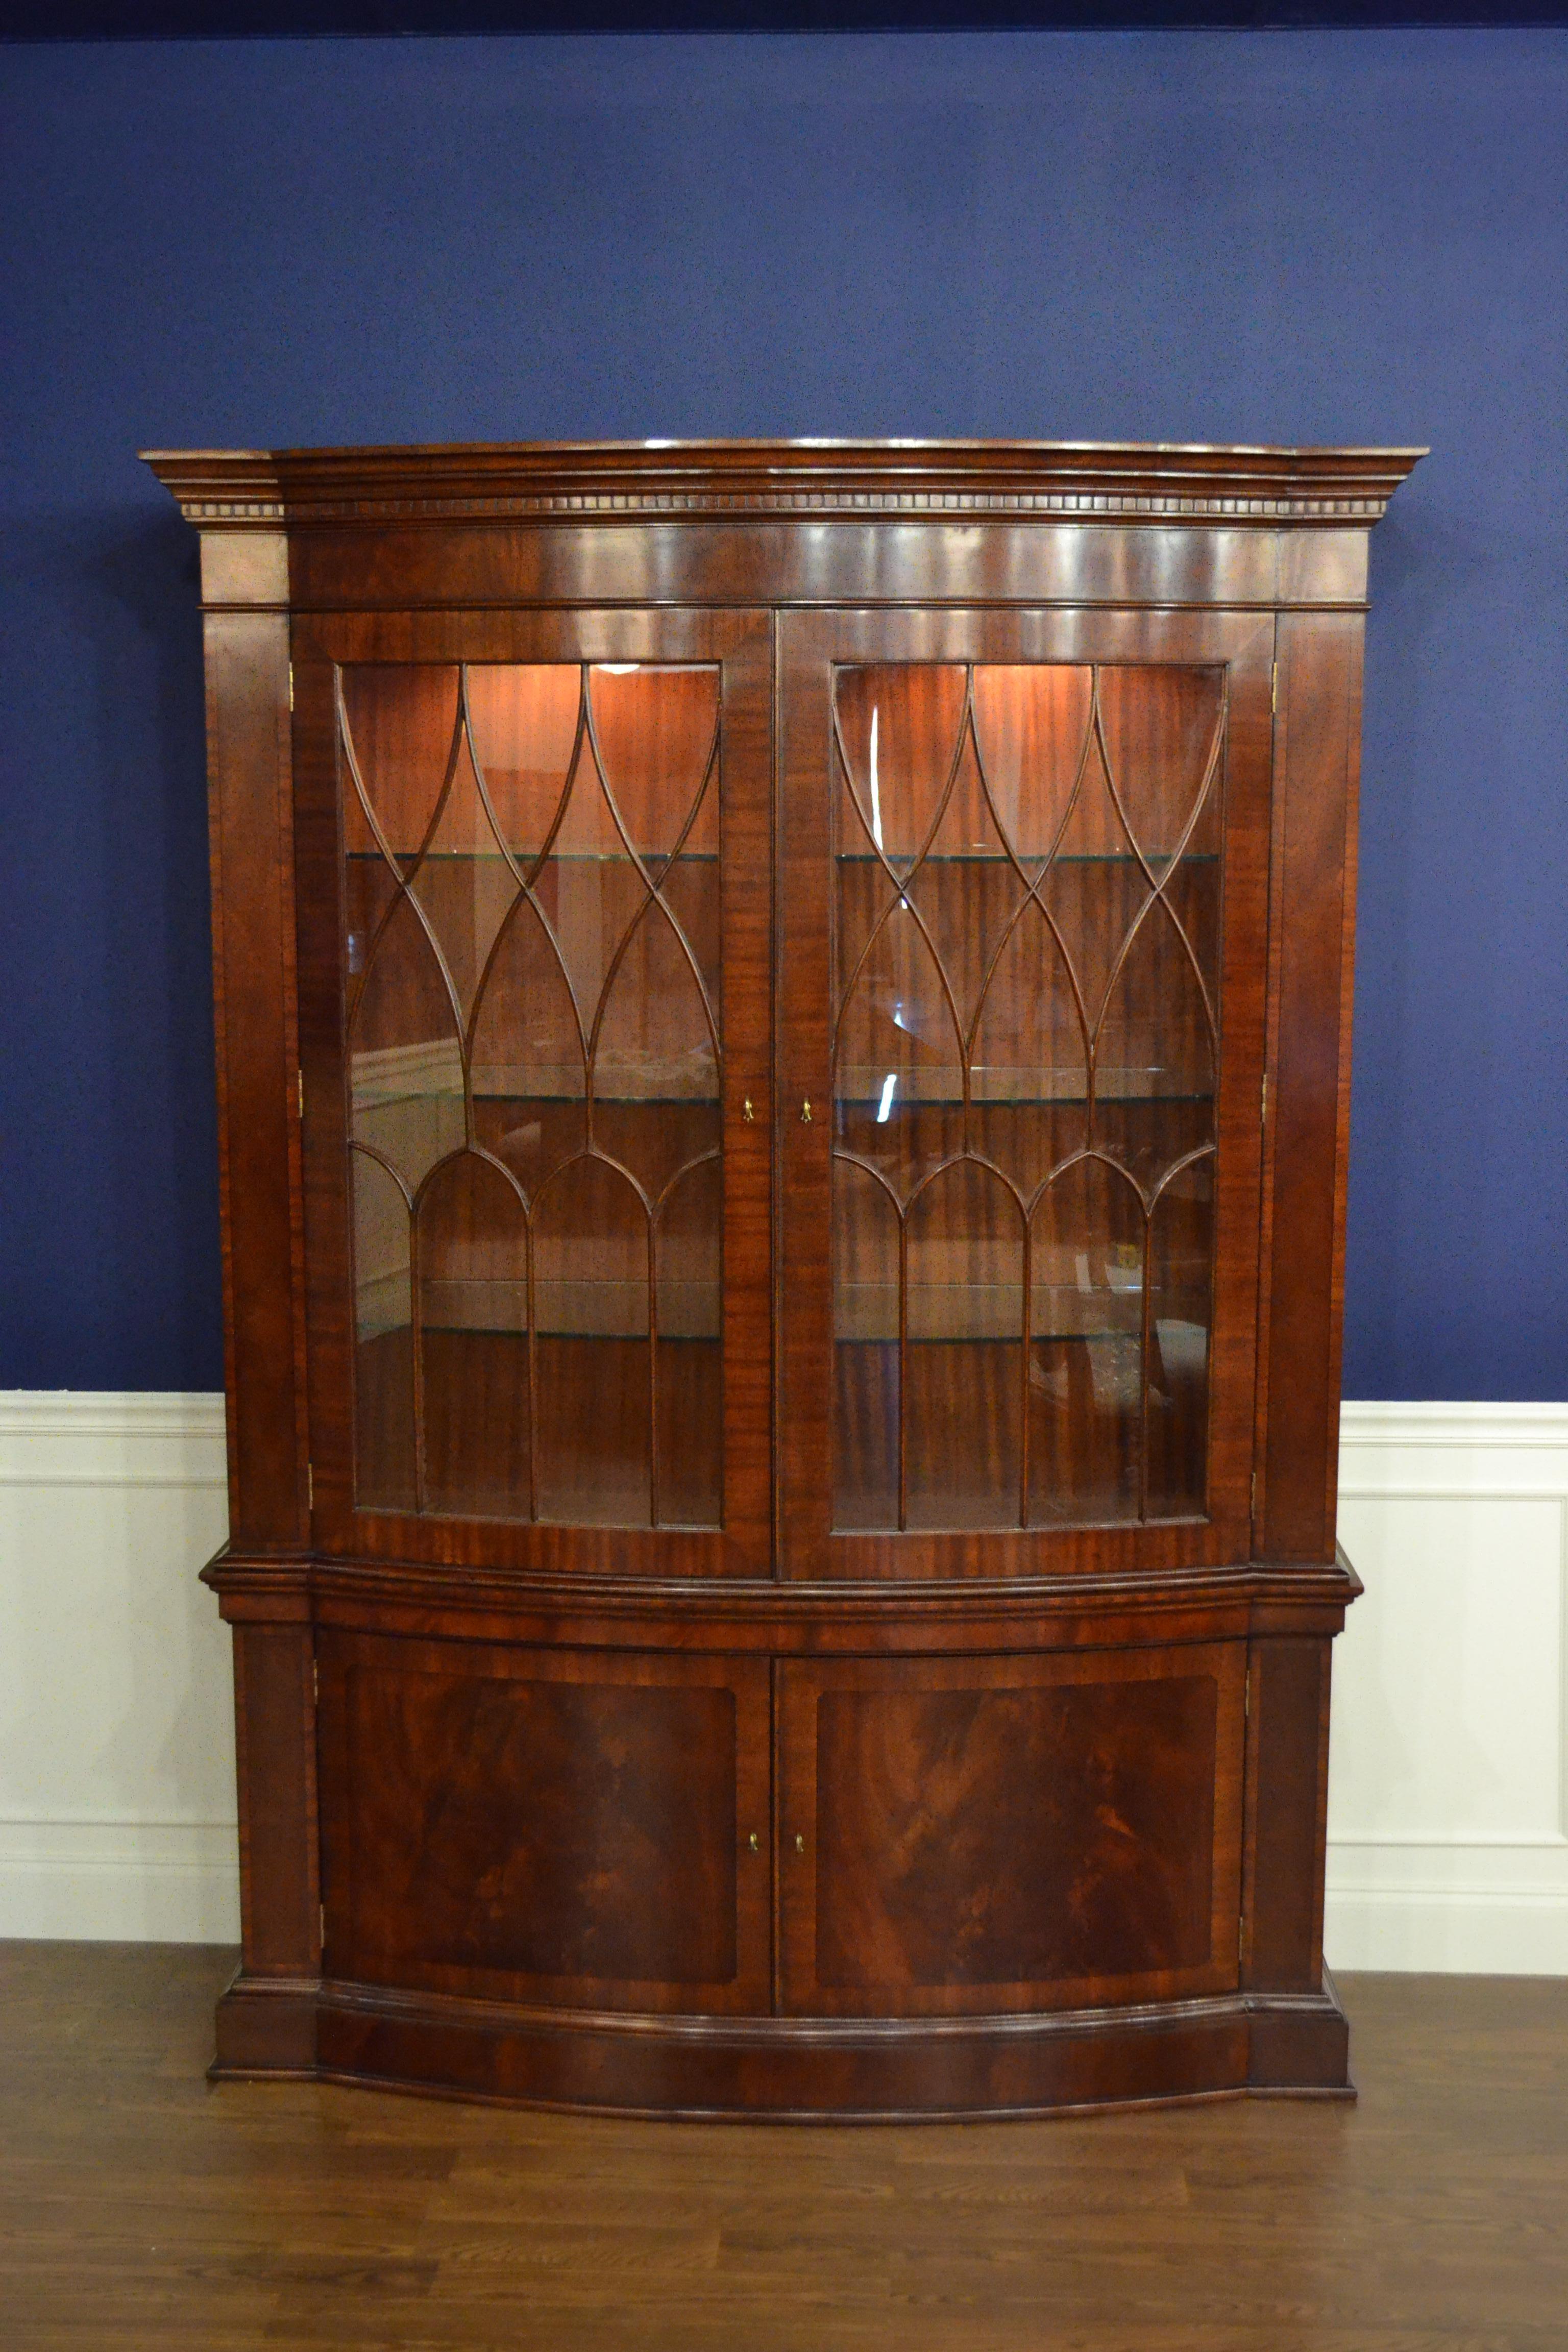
{"points": [[248, 760], [1317, 729], [275, 1717], [1286, 1811]]}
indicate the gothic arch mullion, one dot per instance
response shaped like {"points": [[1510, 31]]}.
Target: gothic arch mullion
{"points": [[901, 889], [572, 764], [1188, 1159], [652, 887], [876, 928], [1214, 759], [409, 881], [369, 1151], [652, 898], [401, 892], [1032, 890], [345, 739], [902, 898], [703, 1160], [528, 892], [453, 1002], [1157, 882]]}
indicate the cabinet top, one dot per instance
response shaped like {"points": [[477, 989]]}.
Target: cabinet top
{"points": [[517, 480]]}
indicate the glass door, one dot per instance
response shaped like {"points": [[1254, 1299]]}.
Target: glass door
{"points": [[550, 893], [1022, 949]]}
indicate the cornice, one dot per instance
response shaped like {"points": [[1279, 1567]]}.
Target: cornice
{"points": [[750, 480]]}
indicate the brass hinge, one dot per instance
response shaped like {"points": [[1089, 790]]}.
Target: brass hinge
{"points": [[290, 686], [300, 1092], [1262, 1116], [1246, 1697], [310, 1486], [316, 1679], [1273, 687]]}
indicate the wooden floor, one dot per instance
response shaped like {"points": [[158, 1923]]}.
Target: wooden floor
{"points": [[140, 2207]]}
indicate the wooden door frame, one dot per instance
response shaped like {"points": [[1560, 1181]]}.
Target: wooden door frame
{"points": [[740, 642], [810, 645]]}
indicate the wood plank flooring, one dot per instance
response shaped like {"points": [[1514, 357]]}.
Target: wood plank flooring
{"points": [[140, 2207]]}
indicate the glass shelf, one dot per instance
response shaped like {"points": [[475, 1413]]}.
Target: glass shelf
{"points": [[1037, 862], [525, 858]]}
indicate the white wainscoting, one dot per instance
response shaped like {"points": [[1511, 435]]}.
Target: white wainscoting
{"points": [[1448, 1812], [1448, 1773], [116, 1802]]}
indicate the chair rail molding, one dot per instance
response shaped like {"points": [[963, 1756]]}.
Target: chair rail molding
{"points": [[1448, 1805]]}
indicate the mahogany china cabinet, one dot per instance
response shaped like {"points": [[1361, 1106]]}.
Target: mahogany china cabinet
{"points": [[783, 1021]]}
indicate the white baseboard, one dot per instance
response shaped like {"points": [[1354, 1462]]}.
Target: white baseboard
{"points": [[1448, 1820], [121, 1882]]}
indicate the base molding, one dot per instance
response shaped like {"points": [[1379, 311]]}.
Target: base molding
{"points": [[267, 2026], [791, 2069]]}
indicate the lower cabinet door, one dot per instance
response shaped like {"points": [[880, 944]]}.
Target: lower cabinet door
{"points": [[1007, 1834], [561, 1827]]}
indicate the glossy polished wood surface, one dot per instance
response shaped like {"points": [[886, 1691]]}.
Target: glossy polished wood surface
{"points": [[1010, 1834], [560, 1827], [784, 1030], [142, 2208]]}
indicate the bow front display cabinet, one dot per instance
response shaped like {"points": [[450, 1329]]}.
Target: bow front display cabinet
{"points": [[782, 1027]]}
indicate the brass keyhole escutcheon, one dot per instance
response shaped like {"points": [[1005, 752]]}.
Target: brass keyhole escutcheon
{"points": [[799, 1844], [747, 1113], [752, 1842], [805, 1114]]}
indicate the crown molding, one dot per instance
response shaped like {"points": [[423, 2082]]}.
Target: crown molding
{"points": [[745, 480]]}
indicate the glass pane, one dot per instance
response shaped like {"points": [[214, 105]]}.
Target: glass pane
{"points": [[400, 730], [405, 1062], [690, 1403], [1180, 1258], [383, 1339], [533, 955], [1086, 1353], [1027, 921], [964, 1357], [898, 737], [866, 1350], [594, 1352], [523, 727], [464, 883], [528, 1069], [473, 1339]]}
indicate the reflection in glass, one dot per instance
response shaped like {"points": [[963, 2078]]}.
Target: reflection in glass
{"points": [[532, 975], [1026, 992]]}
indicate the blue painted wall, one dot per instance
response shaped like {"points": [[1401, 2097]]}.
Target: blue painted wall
{"points": [[1295, 237]]}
